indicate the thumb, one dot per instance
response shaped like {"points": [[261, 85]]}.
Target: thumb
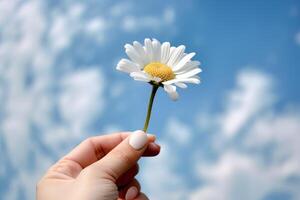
{"points": [[120, 159]]}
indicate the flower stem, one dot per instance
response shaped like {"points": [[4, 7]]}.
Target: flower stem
{"points": [[154, 89]]}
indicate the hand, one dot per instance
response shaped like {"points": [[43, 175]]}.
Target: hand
{"points": [[100, 168]]}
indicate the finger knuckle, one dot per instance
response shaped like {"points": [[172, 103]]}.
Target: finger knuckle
{"points": [[99, 152]]}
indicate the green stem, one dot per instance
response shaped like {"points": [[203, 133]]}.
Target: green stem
{"points": [[154, 89]]}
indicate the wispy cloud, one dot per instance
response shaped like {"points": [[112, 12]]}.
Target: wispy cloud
{"points": [[265, 157], [41, 110], [178, 132], [132, 23], [81, 95], [297, 38], [251, 96], [170, 185]]}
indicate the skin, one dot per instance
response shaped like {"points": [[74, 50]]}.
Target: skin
{"points": [[100, 168]]}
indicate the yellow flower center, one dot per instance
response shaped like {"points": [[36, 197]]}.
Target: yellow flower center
{"points": [[159, 70]]}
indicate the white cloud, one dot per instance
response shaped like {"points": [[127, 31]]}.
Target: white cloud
{"points": [[297, 38], [250, 97], [33, 96], [118, 9], [117, 89], [60, 36], [131, 22], [82, 95], [6, 8], [234, 176], [159, 177], [178, 132], [281, 130], [22, 34], [237, 175], [243, 170], [169, 15], [111, 128], [24, 181], [97, 28], [136, 23], [205, 121]]}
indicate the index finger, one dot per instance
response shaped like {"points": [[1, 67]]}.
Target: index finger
{"points": [[94, 148]]}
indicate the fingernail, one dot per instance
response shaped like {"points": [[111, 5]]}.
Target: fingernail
{"points": [[131, 193], [151, 137], [138, 139]]}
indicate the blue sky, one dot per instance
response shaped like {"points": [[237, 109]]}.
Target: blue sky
{"points": [[234, 136]]}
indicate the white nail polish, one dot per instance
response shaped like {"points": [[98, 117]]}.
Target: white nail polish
{"points": [[138, 139], [131, 193], [150, 135]]}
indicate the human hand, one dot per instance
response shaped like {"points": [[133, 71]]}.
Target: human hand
{"points": [[100, 168]]}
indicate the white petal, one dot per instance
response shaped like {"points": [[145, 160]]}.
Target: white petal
{"points": [[127, 66], [156, 50], [156, 79], [172, 49], [176, 55], [140, 76], [133, 55], [183, 61], [188, 66], [140, 50], [191, 80], [181, 85], [165, 52], [148, 49], [152, 78], [183, 80], [196, 77], [190, 73], [171, 90]]}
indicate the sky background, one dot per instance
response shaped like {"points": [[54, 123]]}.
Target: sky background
{"points": [[235, 136]]}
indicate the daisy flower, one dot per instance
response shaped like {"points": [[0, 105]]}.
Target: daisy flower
{"points": [[161, 65]]}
